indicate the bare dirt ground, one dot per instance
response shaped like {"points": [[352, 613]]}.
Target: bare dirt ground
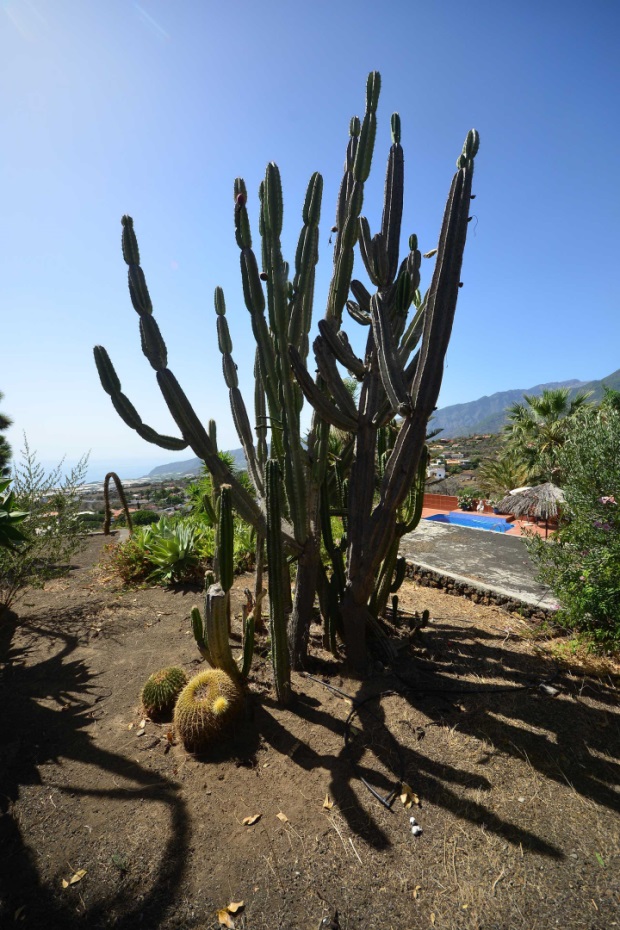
{"points": [[518, 788]]}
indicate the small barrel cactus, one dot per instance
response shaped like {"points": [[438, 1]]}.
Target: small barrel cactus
{"points": [[162, 689], [207, 708]]}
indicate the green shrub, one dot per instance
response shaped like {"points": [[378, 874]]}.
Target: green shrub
{"points": [[52, 530], [176, 549], [581, 562], [138, 518]]}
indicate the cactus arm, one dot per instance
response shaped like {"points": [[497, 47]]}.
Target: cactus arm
{"points": [[357, 168], [339, 344], [197, 437], [198, 631], [389, 367], [393, 200], [260, 412], [367, 251], [383, 584], [415, 502], [123, 499], [324, 407], [306, 258], [441, 304], [224, 538], [413, 334], [329, 372], [333, 551], [125, 409], [361, 295], [399, 574], [249, 625], [237, 405], [356, 313], [275, 559]]}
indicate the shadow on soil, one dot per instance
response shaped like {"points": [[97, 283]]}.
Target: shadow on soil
{"points": [[509, 712], [56, 698], [26, 693]]}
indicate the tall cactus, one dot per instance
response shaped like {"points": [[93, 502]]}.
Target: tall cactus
{"points": [[391, 383], [393, 379]]}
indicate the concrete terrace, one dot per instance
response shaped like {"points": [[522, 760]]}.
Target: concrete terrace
{"points": [[498, 562]]}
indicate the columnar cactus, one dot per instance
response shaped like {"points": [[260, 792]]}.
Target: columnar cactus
{"points": [[278, 581], [393, 380], [106, 498]]}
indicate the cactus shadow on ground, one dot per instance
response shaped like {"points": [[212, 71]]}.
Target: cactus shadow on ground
{"points": [[517, 789]]}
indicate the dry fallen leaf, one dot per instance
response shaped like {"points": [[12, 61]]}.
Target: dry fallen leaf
{"points": [[235, 906], [142, 723], [224, 918], [328, 803], [408, 796], [433, 919], [416, 891], [282, 817], [250, 821], [77, 877]]}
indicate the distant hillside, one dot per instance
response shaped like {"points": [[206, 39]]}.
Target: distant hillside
{"points": [[191, 466], [487, 414]]}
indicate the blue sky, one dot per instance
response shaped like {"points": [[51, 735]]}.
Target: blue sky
{"points": [[153, 108]]}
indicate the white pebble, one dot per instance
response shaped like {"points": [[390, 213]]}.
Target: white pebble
{"points": [[416, 830], [412, 820]]}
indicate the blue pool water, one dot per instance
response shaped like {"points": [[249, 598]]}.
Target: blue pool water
{"points": [[474, 520]]}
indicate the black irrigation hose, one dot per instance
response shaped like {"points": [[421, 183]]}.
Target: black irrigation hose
{"points": [[389, 799]]}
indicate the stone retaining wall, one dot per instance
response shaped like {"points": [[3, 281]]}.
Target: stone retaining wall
{"points": [[429, 578]]}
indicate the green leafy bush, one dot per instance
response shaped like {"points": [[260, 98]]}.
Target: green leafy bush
{"points": [[52, 530], [138, 518], [10, 517], [176, 550], [581, 563]]}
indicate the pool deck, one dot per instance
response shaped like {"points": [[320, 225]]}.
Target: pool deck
{"points": [[498, 562]]}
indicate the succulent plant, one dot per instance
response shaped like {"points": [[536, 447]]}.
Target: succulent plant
{"points": [[212, 634], [162, 689], [399, 375], [106, 498], [207, 709]]}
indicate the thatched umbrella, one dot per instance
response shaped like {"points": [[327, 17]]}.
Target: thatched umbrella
{"points": [[540, 502]]}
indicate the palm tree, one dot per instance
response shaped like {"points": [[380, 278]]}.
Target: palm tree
{"points": [[498, 476], [538, 428]]}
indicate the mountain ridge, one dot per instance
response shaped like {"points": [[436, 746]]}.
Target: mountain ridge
{"points": [[485, 415], [488, 414]]}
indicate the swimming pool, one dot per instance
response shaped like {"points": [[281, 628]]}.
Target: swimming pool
{"points": [[475, 521]]}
